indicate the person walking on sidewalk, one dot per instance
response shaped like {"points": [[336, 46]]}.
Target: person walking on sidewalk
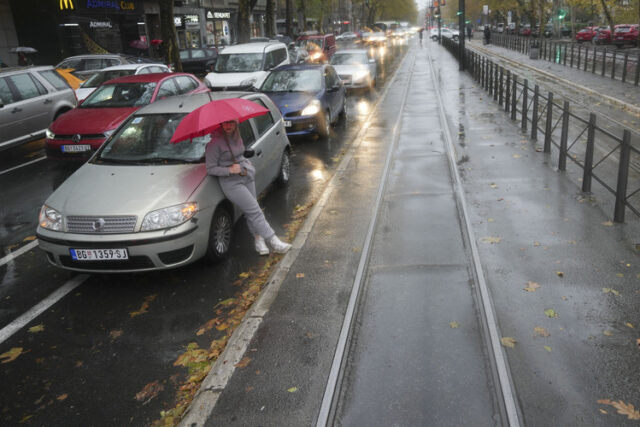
{"points": [[487, 34], [225, 159]]}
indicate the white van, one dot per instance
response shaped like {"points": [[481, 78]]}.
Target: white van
{"points": [[246, 65]]}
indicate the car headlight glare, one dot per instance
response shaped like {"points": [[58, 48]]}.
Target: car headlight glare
{"points": [[360, 75], [169, 217], [49, 134], [312, 109], [50, 218], [316, 55]]}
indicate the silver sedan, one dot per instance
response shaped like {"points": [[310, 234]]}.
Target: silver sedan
{"points": [[141, 203]]}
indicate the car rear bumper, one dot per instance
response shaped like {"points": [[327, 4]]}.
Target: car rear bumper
{"points": [[147, 251]]}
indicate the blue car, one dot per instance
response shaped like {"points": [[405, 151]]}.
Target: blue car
{"points": [[310, 97]]}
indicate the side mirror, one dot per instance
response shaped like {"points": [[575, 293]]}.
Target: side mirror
{"points": [[249, 154]]}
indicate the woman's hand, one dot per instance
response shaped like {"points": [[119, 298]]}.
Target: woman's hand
{"points": [[235, 169]]}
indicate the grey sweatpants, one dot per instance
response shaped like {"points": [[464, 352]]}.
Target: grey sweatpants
{"points": [[241, 191]]}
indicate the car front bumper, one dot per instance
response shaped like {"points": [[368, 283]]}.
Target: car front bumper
{"points": [[147, 251], [302, 125], [60, 149]]}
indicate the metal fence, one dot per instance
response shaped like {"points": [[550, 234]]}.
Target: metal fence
{"points": [[608, 156], [606, 61]]}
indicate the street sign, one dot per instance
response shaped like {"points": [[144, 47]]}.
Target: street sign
{"points": [[485, 9]]}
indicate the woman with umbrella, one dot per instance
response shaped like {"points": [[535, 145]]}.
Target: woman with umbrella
{"points": [[225, 159]]}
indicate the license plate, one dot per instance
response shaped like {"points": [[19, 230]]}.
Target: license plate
{"points": [[75, 148], [287, 123], [98, 254]]}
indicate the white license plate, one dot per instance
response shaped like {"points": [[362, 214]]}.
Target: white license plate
{"points": [[99, 254], [287, 123], [75, 148]]}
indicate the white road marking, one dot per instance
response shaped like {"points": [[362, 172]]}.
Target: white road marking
{"points": [[22, 165], [41, 307], [16, 254]]}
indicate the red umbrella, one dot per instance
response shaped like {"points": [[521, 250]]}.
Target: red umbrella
{"points": [[210, 116]]}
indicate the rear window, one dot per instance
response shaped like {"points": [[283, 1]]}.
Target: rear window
{"points": [[55, 79]]}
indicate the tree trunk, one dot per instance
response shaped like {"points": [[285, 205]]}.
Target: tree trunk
{"points": [[244, 26], [271, 24], [573, 22], [302, 16], [607, 13], [289, 18], [169, 37]]}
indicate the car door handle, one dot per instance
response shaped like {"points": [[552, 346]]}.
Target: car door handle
{"points": [[16, 110], [48, 101]]}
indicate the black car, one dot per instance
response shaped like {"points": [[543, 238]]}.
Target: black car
{"points": [[198, 60]]}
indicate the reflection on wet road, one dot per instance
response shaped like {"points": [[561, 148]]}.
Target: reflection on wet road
{"points": [[112, 342]]}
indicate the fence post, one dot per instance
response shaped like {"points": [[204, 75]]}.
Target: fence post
{"points": [[534, 114], [548, 124], [571, 62], [564, 54], [501, 90], [637, 70], [624, 66], [507, 92], [588, 157], [595, 55], [604, 60], [613, 64], [514, 93], [579, 54], [586, 57], [564, 136], [623, 175], [495, 83], [525, 96], [490, 77]]}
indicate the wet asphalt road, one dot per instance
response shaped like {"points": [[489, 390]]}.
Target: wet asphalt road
{"points": [[93, 351]]}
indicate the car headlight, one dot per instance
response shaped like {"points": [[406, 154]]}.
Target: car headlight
{"points": [[312, 109], [169, 217], [249, 82], [50, 218], [360, 75], [108, 133], [316, 55], [49, 134]]}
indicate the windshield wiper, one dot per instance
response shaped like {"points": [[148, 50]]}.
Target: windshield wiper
{"points": [[172, 160], [102, 160]]}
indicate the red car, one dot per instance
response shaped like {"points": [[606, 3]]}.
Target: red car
{"points": [[586, 34], [603, 36], [625, 34], [78, 133]]}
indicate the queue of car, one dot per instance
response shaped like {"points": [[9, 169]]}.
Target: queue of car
{"points": [[139, 202]]}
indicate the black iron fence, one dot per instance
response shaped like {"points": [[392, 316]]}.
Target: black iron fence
{"points": [[605, 61], [606, 154]]}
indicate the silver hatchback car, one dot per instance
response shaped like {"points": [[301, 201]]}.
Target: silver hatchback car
{"points": [[141, 203]]}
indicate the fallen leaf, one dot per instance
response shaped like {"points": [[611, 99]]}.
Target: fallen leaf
{"points": [[536, 243], [144, 307], [572, 242], [228, 301], [454, 325], [607, 223], [493, 185], [546, 347], [355, 249], [299, 275], [37, 328], [610, 291], [248, 389], [508, 342], [619, 275], [79, 363], [25, 419], [243, 363], [115, 334], [560, 273], [638, 342], [292, 389], [532, 286], [629, 325], [29, 238], [622, 408], [11, 355], [243, 275], [491, 240], [540, 331], [62, 397], [490, 220], [603, 411], [550, 313], [329, 233], [608, 333], [516, 156], [149, 391]]}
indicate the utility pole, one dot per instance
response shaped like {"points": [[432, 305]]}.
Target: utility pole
{"points": [[461, 35], [439, 23]]}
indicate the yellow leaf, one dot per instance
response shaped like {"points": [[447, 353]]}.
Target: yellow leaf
{"points": [[546, 347], [607, 223], [603, 411], [508, 342], [228, 301], [536, 243], [491, 239], [299, 275], [454, 325], [292, 389], [29, 238], [490, 220], [11, 355], [628, 324], [516, 156], [532, 286], [25, 418], [540, 331], [243, 363], [493, 185], [144, 307], [115, 334], [149, 391], [610, 291], [560, 273], [37, 328], [244, 275], [608, 333], [62, 397], [622, 408], [550, 313], [619, 275]]}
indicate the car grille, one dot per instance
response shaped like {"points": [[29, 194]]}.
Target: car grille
{"points": [[94, 225], [133, 263]]}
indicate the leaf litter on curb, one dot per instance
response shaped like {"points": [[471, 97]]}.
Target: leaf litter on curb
{"points": [[508, 342], [12, 354], [550, 313], [623, 408], [144, 307], [37, 328], [149, 391], [610, 291], [531, 286]]}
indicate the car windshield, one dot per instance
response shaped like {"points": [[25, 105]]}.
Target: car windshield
{"points": [[120, 95], [293, 81], [623, 29], [349, 59], [103, 76], [145, 140], [239, 62], [310, 44]]}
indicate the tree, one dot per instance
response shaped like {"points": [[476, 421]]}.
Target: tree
{"points": [[270, 21], [244, 26], [288, 17], [169, 37]]}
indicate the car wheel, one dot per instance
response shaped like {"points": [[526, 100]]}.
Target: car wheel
{"points": [[220, 234], [324, 125], [285, 170]]}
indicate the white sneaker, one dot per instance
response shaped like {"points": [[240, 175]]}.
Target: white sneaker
{"points": [[279, 246], [261, 246]]}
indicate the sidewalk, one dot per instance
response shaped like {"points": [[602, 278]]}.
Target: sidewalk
{"points": [[417, 356]]}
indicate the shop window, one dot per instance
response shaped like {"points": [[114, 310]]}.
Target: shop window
{"points": [[246, 133], [25, 85], [6, 96], [265, 121]]}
